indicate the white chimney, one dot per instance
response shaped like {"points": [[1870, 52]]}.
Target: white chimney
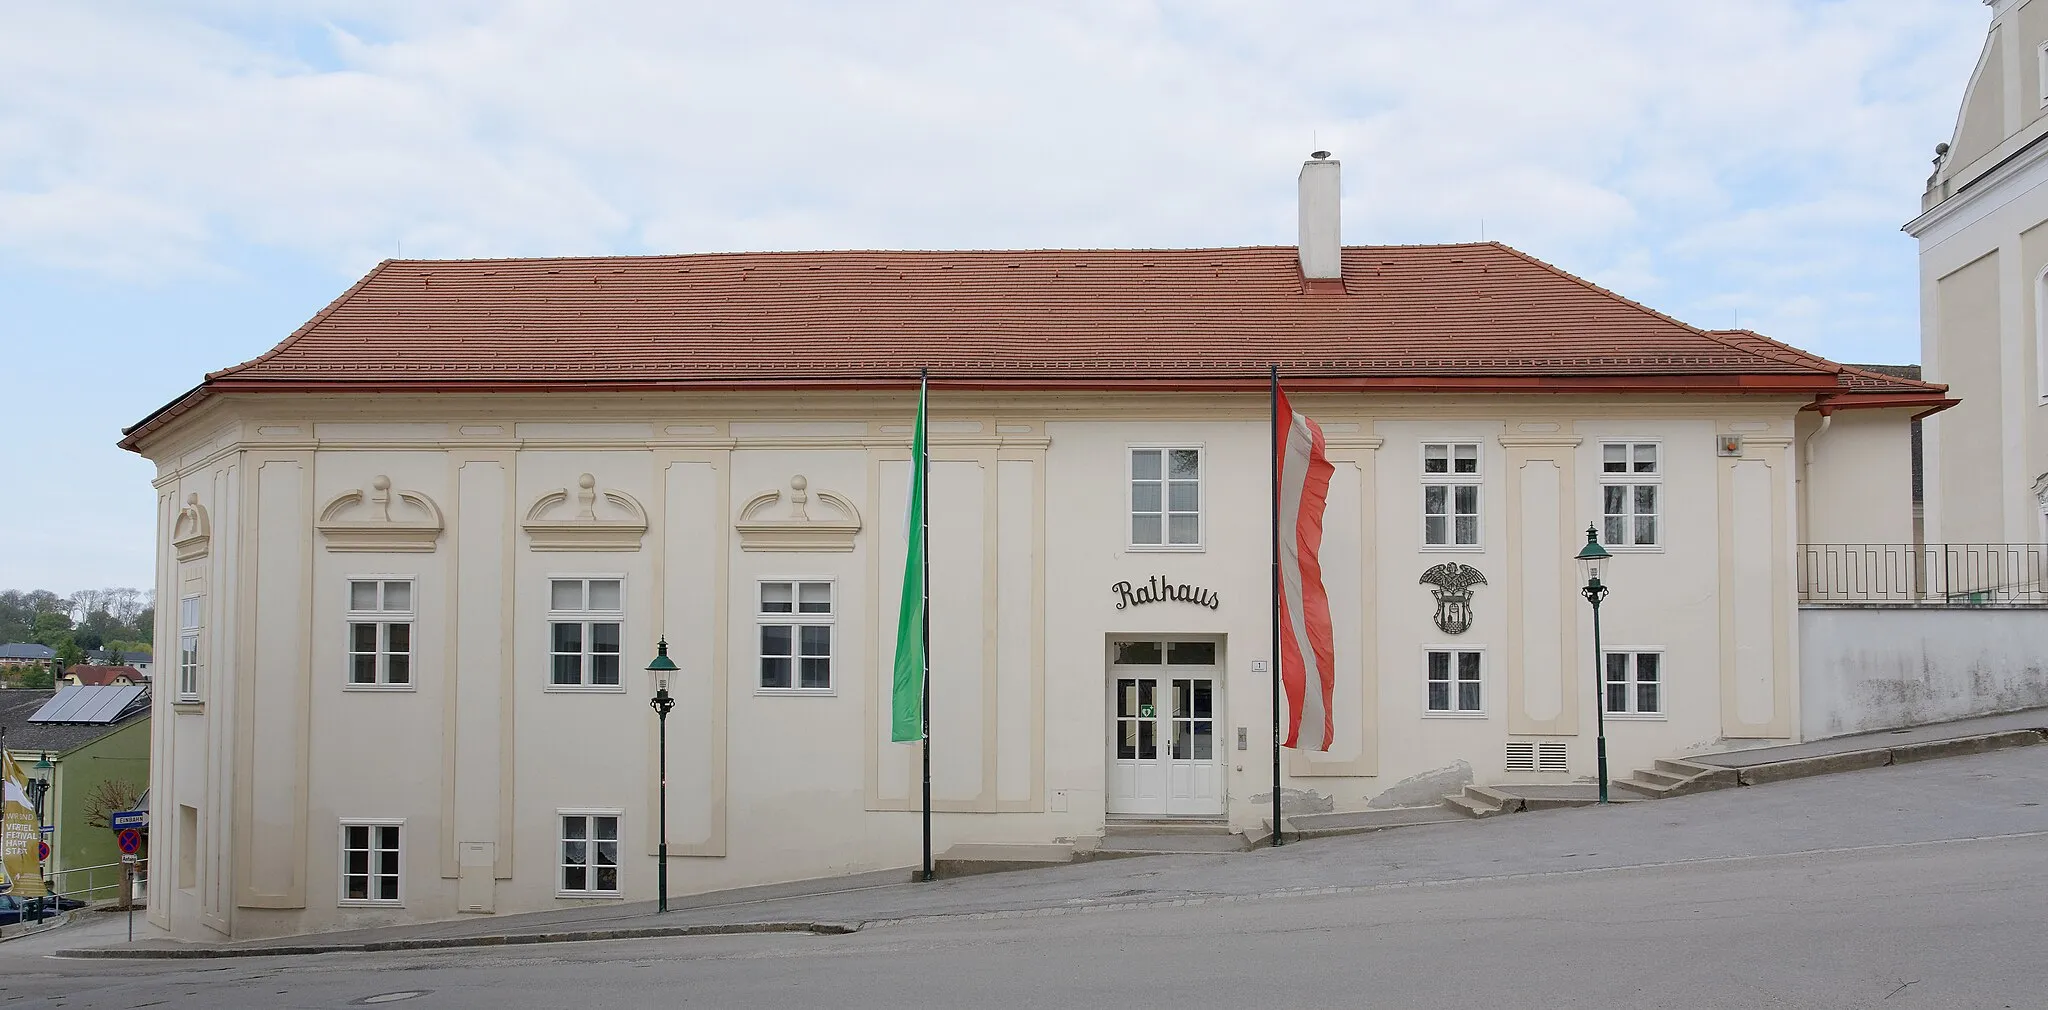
{"points": [[1322, 248]]}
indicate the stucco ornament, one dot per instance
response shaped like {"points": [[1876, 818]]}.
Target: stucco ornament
{"points": [[620, 527], [1453, 593], [192, 533], [382, 519], [797, 529], [2041, 491]]}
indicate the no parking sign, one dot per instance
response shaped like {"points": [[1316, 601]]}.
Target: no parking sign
{"points": [[42, 852], [130, 840]]}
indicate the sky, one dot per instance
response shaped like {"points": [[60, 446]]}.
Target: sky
{"points": [[183, 184]]}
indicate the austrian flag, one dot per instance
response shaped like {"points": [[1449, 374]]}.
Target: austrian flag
{"points": [[1307, 649]]}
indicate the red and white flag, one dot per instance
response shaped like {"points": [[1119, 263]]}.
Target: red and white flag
{"points": [[1307, 649]]}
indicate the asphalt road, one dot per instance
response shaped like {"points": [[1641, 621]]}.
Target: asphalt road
{"points": [[1936, 910]]}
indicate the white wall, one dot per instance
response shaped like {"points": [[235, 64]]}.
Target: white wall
{"points": [[1881, 668]]}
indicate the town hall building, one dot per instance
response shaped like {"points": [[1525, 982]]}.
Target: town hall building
{"points": [[415, 558]]}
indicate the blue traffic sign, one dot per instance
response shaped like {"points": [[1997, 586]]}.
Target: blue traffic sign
{"points": [[123, 819], [130, 841]]}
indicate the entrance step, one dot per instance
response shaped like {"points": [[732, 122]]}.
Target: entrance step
{"points": [[1482, 801], [1165, 826], [1357, 822], [1154, 836], [969, 858]]}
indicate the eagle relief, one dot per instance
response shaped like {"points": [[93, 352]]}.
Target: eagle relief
{"points": [[1453, 593]]}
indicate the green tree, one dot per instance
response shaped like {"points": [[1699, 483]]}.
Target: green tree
{"points": [[37, 678], [69, 654], [52, 628]]}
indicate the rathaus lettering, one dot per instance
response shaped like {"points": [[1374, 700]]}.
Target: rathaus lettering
{"points": [[1157, 589]]}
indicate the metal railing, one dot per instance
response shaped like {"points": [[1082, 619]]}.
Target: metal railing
{"points": [[1939, 574], [92, 883]]}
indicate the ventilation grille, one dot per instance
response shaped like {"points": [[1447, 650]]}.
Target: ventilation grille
{"points": [[1531, 756]]}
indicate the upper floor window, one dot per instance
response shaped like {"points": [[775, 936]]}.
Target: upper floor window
{"points": [[188, 649], [796, 636], [584, 621], [1450, 494], [1166, 497], [380, 618], [1630, 489]]}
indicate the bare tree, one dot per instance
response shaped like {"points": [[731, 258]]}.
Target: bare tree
{"points": [[109, 797]]}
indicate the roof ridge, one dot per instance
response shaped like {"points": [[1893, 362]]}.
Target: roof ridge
{"points": [[871, 251]]}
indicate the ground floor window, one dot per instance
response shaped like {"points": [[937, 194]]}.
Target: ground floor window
{"points": [[590, 853], [1456, 683], [1635, 683], [370, 859]]}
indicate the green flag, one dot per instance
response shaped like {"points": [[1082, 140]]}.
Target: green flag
{"points": [[907, 701]]}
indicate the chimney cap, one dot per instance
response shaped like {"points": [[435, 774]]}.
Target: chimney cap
{"points": [[1319, 155]]}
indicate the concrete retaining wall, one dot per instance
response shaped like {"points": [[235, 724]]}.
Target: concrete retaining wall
{"points": [[1871, 668]]}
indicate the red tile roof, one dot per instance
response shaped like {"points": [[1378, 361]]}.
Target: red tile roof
{"points": [[100, 676], [1468, 316]]}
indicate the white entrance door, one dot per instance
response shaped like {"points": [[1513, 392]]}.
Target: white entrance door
{"points": [[1164, 758]]}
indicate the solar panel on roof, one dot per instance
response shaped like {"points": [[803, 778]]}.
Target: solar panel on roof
{"points": [[65, 699], [84, 703]]}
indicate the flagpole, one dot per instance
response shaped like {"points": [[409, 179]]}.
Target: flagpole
{"points": [[1273, 443], [924, 631]]}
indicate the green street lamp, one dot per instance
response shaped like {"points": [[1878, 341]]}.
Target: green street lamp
{"points": [[663, 704], [38, 788], [1592, 560]]}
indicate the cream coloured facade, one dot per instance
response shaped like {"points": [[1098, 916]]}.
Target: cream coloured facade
{"points": [[1984, 294], [415, 597], [276, 749]]}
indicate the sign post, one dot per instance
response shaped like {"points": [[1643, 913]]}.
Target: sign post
{"points": [[128, 882], [121, 820]]}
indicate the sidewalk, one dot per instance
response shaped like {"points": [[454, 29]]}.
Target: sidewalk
{"points": [[1989, 728], [1983, 796]]}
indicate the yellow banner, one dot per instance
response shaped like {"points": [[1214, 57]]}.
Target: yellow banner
{"points": [[24, 870]]}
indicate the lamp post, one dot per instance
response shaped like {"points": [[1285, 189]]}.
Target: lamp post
{"points": [[663, 704], [38, 786], [1592, 559]]}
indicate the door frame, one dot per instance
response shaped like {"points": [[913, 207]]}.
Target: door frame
{"points": [[1164, 674]]}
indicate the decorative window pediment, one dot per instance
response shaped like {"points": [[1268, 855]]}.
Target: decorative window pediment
{"points": [[192, 534], [797, 529], [587, 530], [382, 520]]}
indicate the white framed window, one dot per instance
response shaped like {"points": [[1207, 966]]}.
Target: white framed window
{"points": [[796, 636], [1166, 497], [1450, 494], [2041, 330], [188, 648], [1634, 683], [1454, 681], [586, 619], [380, 625], [1631, 494], [373, 861], [589, 853], [2041, 73]]}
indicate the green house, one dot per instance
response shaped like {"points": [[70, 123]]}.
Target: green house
{"points": [[91, 744]]}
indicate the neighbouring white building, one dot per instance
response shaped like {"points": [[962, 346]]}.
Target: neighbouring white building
{"points": [[415, 557], [1984, 294]]}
